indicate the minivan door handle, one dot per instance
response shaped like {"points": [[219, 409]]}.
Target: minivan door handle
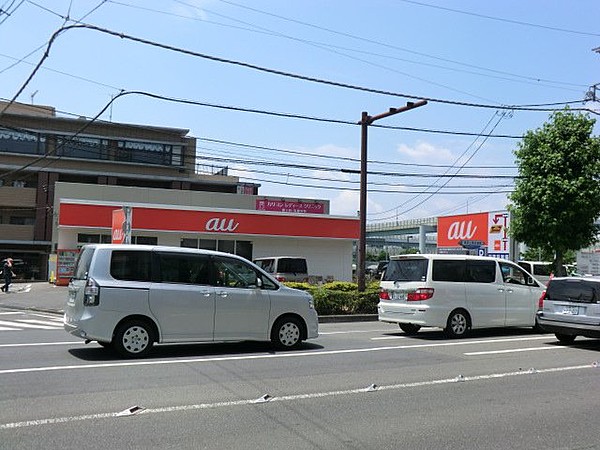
{"points": [[500, 289], [222, 293], [206, 293]]}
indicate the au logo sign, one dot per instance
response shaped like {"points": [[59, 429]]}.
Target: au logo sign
{"points": [[221, 225]]}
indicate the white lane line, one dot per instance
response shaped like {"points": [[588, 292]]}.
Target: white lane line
{"points": [[514, 350], [36, 344], [20, 324], [385, 338], [288, 398], [351, 332], [10, 329], [10, 313], [49, 323], [292, 354]]}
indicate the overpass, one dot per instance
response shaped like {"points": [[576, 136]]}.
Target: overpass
{"points": [[411, 233]]}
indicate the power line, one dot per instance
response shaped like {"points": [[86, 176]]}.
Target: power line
{"points": [[64, 29], [501, 19], [372, 41]]}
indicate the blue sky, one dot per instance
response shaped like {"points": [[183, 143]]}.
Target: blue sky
{"points": [[457, 53]]}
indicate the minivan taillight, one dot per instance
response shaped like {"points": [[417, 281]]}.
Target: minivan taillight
{"points": [[91, 293], [541, 300], [419, 294], [384, 295]]}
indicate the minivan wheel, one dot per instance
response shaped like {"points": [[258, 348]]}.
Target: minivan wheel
{"points": [[565, 338], [287, 333], [134, 339], [457, 325], [410, 328]]}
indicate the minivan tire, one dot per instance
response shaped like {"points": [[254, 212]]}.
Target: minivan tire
{"points": [[287, 333], [458, 324], [565, 338], [409, 328], [133, 339]]}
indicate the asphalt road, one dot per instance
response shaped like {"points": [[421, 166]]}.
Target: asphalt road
{"points": [[494, 390]]}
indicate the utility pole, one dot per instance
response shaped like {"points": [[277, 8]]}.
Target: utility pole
{"points": [[365, 121]]}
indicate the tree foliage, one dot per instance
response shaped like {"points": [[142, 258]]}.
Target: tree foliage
{"points": [[557, 194]]}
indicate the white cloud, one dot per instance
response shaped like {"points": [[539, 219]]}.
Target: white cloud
{"points": [[424, 151]]}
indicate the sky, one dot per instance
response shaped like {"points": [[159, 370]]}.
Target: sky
{"points": [[274, 90]]}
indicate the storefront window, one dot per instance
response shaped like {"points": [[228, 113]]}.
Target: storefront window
{"points": [[207, 244], [227, 246], [244, 249]]}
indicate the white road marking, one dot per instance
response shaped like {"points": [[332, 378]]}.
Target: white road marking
{"points": [[10, 313], [20, 324], [10, 329], [36, 344], [287, 398], [54, 324], [515, 350], [385, 338], [351, 332], [296, 354]]}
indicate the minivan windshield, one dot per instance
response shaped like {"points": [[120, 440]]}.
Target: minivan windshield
{"points": [[82, 266], [406, 270]]}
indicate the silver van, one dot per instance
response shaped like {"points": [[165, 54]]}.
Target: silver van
{"points": [[131, 296], [285, 268], [457, 293]]}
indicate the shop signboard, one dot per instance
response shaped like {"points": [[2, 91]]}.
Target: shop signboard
{"points": [[65, 265], [486, 233], [239, 222], [291, 206]]}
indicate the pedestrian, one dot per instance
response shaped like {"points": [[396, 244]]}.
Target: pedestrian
{"points": [[7, 273]]}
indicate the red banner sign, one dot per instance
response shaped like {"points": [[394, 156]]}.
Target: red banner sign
{"points": [[465, 227], [238, 222], [118, 220]]}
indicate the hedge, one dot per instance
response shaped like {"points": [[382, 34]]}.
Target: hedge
{"points": [[341, 297]]}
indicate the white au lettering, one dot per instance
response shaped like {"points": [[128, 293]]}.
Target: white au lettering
{"points": [[117, 234], [216, 224], [460, 230]]}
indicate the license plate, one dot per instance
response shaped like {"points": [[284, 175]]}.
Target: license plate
{"points": [[398, 296], [570, 310]]}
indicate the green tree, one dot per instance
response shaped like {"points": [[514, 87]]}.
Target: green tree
{"points": [[557, 194]]}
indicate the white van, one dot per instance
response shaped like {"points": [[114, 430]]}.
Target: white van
{"points": [[131, 296], [457, 293], [541, 270], [284, 268]]}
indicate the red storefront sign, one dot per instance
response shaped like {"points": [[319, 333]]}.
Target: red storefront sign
{"points": [[118, 220], [290, 206], [465, 227], [238, 222]]}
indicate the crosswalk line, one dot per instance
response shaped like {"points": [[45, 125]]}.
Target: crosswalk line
{"points": [[55, 324], [19, 324]]}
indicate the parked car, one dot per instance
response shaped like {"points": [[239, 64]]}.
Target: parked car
{"points": [[570, 307], [285, 268], [130, 296], [457, 293]]}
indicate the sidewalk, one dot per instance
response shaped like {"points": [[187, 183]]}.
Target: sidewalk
{"points": [[46, 297]]}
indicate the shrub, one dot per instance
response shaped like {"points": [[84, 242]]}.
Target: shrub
{"points": [[341, 297]]}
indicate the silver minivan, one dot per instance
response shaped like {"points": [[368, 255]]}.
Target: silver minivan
{"points": [[131, 296], [457, 293]]}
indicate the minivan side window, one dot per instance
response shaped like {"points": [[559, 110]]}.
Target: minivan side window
{"points": [[292, 265], [268, 265], [406, 270], [481, 271], [234, 273], [184, 268], [513, 274], [130, 265], [448, 270]]}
